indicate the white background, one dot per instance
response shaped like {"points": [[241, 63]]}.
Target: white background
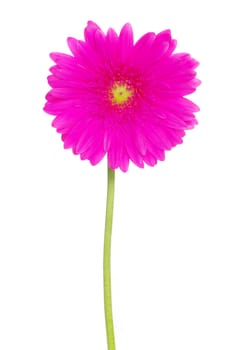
{"points": [[178, 240]]}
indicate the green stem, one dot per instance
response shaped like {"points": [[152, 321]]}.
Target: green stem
{"points": [[107, 260]]}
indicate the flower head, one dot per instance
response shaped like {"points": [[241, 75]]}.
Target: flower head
{"points": [[124, 99]]}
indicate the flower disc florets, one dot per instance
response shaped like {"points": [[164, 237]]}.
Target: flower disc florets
{"points": [[120, 94], [121, 98]]}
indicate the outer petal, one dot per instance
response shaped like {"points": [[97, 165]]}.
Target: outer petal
{"points": [[142, 48], [89, 33], [126, 41], [112, 42]]}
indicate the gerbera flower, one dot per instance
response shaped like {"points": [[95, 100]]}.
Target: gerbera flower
{"points": [[124, 99]]}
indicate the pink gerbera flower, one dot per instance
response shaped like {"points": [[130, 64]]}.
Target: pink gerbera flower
{"points": [[126, 100]]}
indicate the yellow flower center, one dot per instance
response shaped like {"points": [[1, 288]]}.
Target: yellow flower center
{"points": [[120, 93]]}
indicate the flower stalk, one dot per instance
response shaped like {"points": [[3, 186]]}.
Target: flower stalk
{"points": [[107, 260]]}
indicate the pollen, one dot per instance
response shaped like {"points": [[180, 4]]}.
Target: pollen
{"points": [[120, 93]]}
